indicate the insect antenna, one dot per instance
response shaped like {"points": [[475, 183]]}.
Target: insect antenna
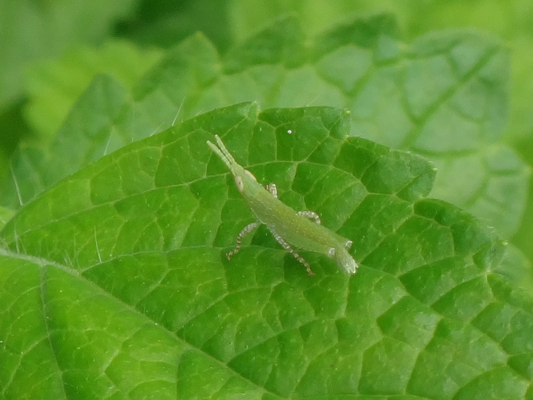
{"points": [[223, 153]]}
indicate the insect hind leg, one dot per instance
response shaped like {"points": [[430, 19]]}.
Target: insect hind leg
{"points": [[289, 249], [246, 230]]}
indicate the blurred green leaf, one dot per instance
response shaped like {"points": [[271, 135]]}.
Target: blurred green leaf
{"points": [[509, 19], [164, 23], [114, 281], [54, 86], [32, 30], [516, 268], [445, 96]]}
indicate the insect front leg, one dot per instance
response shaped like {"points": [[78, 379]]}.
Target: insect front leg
{"points": [[273, 190], [246, 230], [289, 249], [310, 214]]}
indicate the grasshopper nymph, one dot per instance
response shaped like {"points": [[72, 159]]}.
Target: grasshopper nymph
{"points": [[288, 226]]}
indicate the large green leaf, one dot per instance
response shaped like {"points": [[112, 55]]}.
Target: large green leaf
{"points": [[114, 282]]}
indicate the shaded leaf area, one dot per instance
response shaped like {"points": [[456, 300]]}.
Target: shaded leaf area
{"points": [[443, 96], [114, 282], [53, 87], [39, 29], [89, 133]]}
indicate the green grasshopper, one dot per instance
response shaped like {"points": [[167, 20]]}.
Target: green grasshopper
{"points": [[288, 226]]}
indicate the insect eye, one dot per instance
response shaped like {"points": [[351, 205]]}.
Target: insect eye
{"points": [[249, 174], [239, 183]]}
